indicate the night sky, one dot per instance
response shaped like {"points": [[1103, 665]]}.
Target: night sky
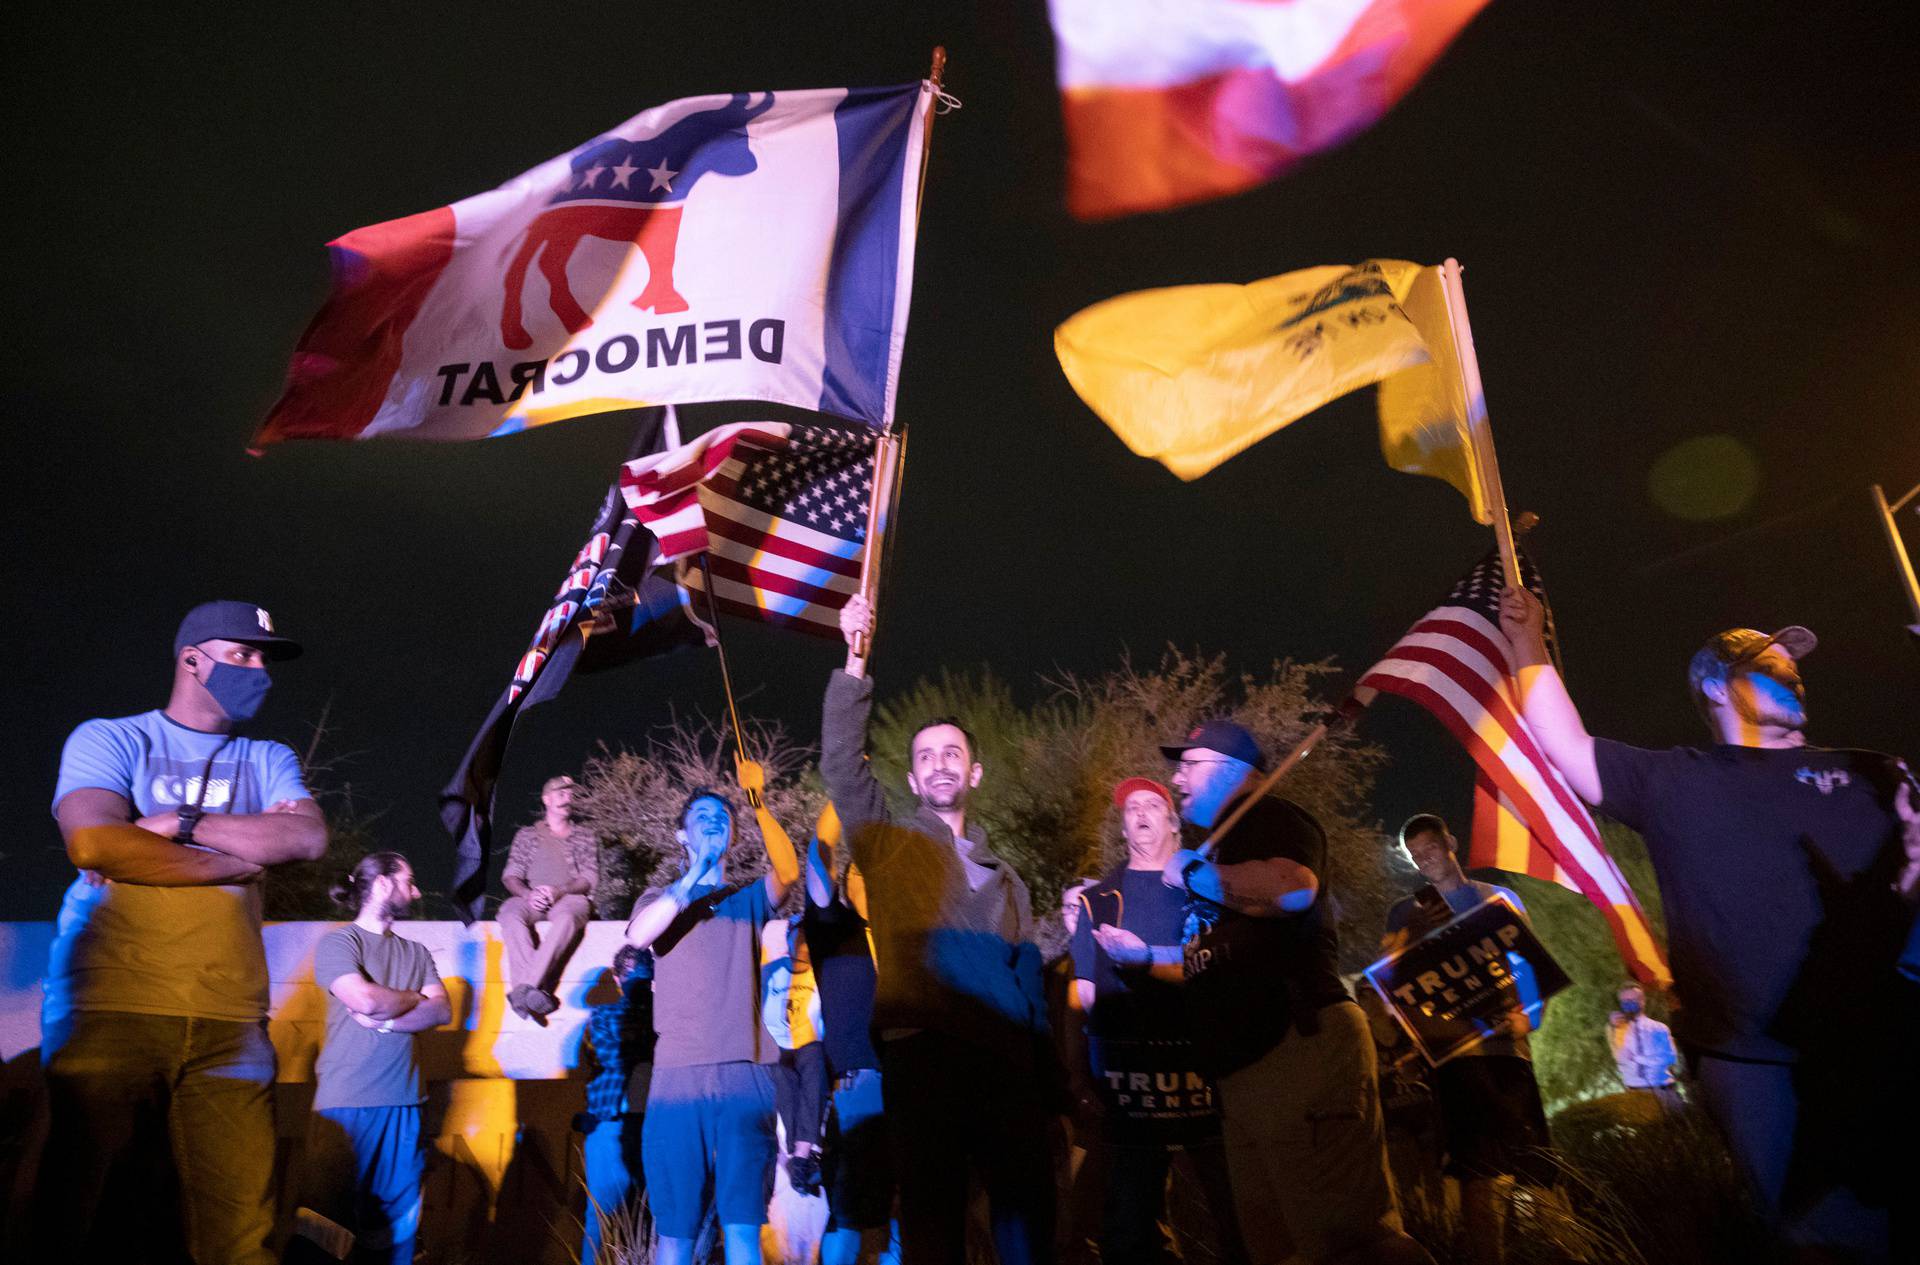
{"points": [[1678, 221]]}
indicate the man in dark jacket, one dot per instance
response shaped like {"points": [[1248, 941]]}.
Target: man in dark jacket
{"points": [[968, 1071]]}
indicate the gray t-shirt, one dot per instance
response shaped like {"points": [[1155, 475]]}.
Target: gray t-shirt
{"points": [[192, 951], [359, 1067], [706, 979]]}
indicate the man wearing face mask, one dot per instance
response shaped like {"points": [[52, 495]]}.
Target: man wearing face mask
{"points": [[154, 1023], [1643, 1050], [1777, 864]]}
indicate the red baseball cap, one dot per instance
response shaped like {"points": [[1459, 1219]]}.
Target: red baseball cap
{"points": [[1132, 784]]}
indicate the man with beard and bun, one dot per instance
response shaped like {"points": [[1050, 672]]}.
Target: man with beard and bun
{"points": [[1127, 997], [707, 1137], [154, 1019], [1777, 863], [1290, 1051], [364, 1152], [968, 1071]]}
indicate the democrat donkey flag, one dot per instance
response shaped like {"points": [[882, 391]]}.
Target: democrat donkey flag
{"points": [[757, 246]]}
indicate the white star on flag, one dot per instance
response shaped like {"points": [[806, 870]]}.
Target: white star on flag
{"points": [[662, 177]]}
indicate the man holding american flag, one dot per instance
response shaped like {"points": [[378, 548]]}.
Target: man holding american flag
{"points": [[1776, 863]]}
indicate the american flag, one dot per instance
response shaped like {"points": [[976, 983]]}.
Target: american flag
{"points": [[780, 510], [1456, 663]]}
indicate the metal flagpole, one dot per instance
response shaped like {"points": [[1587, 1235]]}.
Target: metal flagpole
{"points": [[1902, 563], [726, 677]]}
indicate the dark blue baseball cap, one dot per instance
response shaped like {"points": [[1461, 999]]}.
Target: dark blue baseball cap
{"points": [[234, 621], [1223, 736]]}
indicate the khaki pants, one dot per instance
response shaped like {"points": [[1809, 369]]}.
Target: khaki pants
{"points": [[1307, 1152], [536, 961], [121, 1086]]}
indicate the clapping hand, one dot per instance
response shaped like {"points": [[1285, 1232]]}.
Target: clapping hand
{"points": [[1124, 947]]}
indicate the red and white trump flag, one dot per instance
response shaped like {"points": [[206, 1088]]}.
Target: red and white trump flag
{"points": [[1175, 101], [748, 247]]}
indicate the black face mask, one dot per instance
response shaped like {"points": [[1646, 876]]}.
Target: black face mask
{"points": [[1629, 1008]]}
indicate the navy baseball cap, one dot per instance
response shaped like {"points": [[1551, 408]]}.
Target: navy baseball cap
{"points": [[1223, 736], [234, 621]]}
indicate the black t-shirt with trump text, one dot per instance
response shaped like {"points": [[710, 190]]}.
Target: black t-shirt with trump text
{"points": [[1775, 868], [1250, 979]]}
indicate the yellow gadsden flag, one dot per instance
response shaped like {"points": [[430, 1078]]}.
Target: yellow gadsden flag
{"points": [[1431, 414], [1191, 375]]}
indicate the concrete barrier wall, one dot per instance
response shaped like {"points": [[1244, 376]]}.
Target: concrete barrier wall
{"points": [[503, 1178]]}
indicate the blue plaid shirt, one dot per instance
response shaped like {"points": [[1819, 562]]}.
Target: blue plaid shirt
{"points": [[619, 1039]]}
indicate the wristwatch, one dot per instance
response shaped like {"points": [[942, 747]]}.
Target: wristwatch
{"points": [[189, 815]]}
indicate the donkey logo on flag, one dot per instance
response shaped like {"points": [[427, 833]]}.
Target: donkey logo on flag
{"points": [[629, 191]]}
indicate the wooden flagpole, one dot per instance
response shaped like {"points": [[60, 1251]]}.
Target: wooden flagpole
{"points": [[1478, 427], [889, 451]]}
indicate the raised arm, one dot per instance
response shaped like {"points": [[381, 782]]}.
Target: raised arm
{"points": [[783, 861], [102, 837], [1272, 888], [1544, 702], [821, 889], [651, 920], [857, 795], [291, 830]]}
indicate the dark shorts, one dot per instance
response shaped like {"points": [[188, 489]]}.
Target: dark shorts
{"points": [[708, 1133], [857, 1167], [1493, 1118]]}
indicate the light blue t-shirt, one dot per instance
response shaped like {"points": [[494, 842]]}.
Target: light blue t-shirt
{"points": [[192, 951]]}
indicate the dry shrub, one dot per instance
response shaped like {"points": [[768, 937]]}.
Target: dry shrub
{"points": [[631, 801], [1050, 768]]}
